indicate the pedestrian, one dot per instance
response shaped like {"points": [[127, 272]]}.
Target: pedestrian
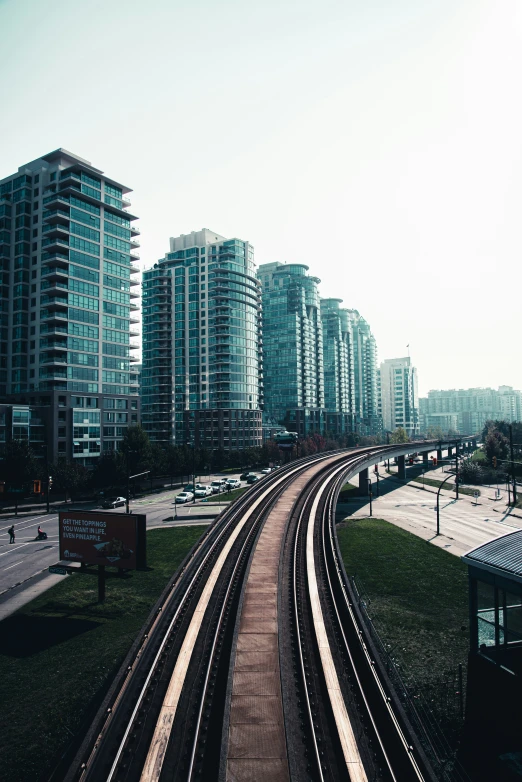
{"points": [[11, 534]]}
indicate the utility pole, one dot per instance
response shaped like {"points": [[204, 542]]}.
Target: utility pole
{"points": [[513, 466]]}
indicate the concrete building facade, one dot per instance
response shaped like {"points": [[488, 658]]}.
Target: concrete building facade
{"points": [[472, 407], [68, 302], [202, 362], [399, 398]]}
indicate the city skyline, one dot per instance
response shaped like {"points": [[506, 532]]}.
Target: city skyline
{"points": [[376, 144]]}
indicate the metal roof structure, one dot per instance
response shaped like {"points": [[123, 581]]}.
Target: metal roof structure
{"points": [[501, 556]]}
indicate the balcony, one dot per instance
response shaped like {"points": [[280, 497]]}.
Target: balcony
{"points": [[54, 244], [54, 273], [57, 317], [135, 255], [55, 289], [57, 199], [135, 230], [54, 258], [57, 230], [134, 242], [56, 216], [134, 269]]}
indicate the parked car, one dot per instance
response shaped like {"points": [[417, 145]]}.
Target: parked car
{"points": [[233, 483], [184, 496], [217, 487], [244, 476], [203, 491], [113, 502], [252, 479]]}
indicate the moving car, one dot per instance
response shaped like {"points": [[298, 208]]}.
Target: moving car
{"points": [[252, 479], [113, 502], [244, 476], [203, 491], [184, 496], [266, 471]]}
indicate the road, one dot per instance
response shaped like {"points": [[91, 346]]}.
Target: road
{"points": [[27, 560], [463, 524]]}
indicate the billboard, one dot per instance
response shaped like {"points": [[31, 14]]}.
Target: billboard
{"points": [[113, 539]]}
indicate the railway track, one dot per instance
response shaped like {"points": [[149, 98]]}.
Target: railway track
{"points": [[256, 665]]}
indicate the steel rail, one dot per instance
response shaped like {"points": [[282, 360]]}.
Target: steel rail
{"points": [[329, 522], [158, 748], [226, 520], [258, 523]]}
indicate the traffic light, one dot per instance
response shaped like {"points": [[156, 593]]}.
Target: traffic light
{"points": [[411, 459], [37, 487], [376, 468], [434, 461], [494, 460]]}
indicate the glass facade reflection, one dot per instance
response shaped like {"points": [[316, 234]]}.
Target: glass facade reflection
{"points": [[293, 346], [202, 344]]}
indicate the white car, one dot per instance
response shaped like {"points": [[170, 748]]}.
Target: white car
{"points": [[266, 471], [217, 487], [184, 496], [203, 491], [233, 483]]}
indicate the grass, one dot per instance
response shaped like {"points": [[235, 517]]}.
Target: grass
{"points": [[348, 492], [418, 598], [59, 654], [447, 486]]}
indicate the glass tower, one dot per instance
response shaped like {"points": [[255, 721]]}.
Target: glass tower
{"points": [[367, 418], [293, 347], [68, 302], [339, 385], [202, 363]]}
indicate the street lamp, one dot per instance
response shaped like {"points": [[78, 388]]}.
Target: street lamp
{"points": [[370, 489], [438, 496]]}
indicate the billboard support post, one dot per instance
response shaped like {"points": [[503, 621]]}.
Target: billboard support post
{"points": [[101, 583]]}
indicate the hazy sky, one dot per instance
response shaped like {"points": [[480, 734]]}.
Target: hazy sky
{"points": [[379, 142]]}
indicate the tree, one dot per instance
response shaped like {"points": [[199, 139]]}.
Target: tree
{"points": [[495, 444], [69, 477], [434, 433], [135, 449], [399, 435], [18, 467]]}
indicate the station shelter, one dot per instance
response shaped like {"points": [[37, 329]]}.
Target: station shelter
{"points": [[492, 737]]}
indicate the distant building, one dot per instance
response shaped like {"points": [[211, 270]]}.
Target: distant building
{"points": [[368, 420], [202, 366], [292, 347], [338, 360], [471, 407], [399, 401]]}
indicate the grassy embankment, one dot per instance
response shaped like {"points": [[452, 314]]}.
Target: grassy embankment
{"points": [[417, 596], [59, 654]]}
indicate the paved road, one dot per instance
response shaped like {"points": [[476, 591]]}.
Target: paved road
{"points": [[463, 524], [25, 561]]}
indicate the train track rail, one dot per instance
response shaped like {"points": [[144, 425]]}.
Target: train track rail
{"points": [[255, 664]]}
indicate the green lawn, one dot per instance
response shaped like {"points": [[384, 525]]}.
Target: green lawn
{"points": [[448, 486], [348, 492], [59, 654], [418, 599]]}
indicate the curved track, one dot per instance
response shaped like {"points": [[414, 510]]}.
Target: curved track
{"points": [[256, 665]]}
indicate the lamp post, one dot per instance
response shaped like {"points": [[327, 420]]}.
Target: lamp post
{"points": [[370, 489], [438, 495]]}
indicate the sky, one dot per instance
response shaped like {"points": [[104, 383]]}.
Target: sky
{"points": [[376, 141]]}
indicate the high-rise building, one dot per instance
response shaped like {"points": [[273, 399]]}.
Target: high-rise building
{"points": [[202, 363], [67, 302], [367, 418], [471, 406], [399, 398], [339, 383], [292, 347]]}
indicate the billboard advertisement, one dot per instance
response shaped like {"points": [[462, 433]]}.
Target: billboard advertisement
{"points": [[112, 539]]}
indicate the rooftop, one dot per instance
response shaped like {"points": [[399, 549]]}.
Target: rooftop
{"points": [[501, 556]]}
